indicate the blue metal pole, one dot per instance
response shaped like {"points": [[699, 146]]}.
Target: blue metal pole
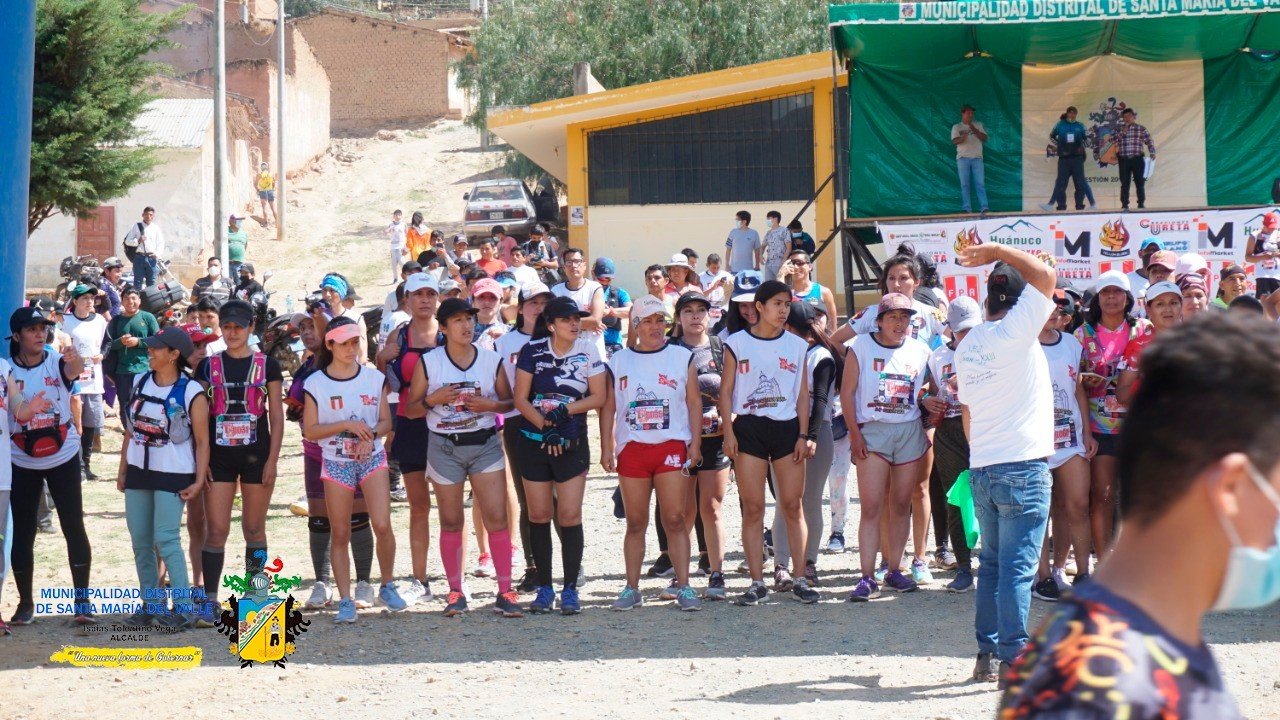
{"points": [[17, 58]]}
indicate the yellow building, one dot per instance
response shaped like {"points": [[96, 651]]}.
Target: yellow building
{"points": [[655, 168]]}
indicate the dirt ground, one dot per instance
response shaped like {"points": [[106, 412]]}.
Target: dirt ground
{"points": [[899, 657]]}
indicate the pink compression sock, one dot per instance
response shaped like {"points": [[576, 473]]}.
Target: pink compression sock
{"points": [[451, 556], [500, 546]]}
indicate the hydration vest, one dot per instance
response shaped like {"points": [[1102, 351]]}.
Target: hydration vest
{"points": [[254, 399], [177, 427]]}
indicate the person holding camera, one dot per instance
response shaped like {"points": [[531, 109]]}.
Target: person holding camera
{"points": [[796, 272]]}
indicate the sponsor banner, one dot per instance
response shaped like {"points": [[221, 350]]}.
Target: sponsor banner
{"points": [[1021, 11], [1168, 98], [1081, 245]]}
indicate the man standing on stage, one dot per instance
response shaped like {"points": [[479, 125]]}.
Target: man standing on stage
{"points": [[1068, 137], [1131, 138], [968, 136]]}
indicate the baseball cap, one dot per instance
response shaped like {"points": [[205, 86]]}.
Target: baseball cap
{"points": [[1152, 241], [1271, 221], [745, 285], [236, 311], [486, 285], [83, 289], [562, 307], [604, 267], [895, 301], [246, 268], [297, 319], [1190, 264], [173, 338], [963, 314], [1111, 278], [411, 267], [197, 334], [679, 260], [451, 307], [1004, 287], [533, 290], [1065, 299], [1232, 269], [801, 315], [1192, 280], [420, 281], [1160, 288], [1164, 258], [235, 216], [449, 286], [647, 305], [690, 298], [112, 262], [26, 317]]}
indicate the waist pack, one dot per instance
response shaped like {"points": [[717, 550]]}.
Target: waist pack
{"points": [[44, 441]]}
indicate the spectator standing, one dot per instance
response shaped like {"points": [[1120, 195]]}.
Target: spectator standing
{"points": [[488, 261], [1132, 138], [112, 267], [617, 304], [237, 242], [716, 286], [542, 255], [1068, 137], [968, 136], [214, 284], [777, 244], [266, 185], [144, 243], [801, 240], [520, 270], [418, 237], [397, 235], [504, 243], [743, 246], [1263, 250]]}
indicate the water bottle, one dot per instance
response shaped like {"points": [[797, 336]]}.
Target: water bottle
{"points": [[288, 304]]}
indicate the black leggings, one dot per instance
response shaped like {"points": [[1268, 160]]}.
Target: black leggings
{"points": [[64, 486], [697, 523]]}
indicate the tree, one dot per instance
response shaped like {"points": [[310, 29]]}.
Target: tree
{"points": [[89, 90], [524, 53], [302, 8]]}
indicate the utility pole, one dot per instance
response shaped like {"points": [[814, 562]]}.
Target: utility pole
{"points": [[280, 166], [18, 58], [220, 132]]}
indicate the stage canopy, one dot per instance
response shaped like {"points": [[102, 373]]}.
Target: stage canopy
{"points": [[1199, 73]]}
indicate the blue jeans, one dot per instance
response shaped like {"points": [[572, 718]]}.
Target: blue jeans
{"points": [[972, 174], [1012, 504], [154, 518], [1071, 168], [144, 271]]}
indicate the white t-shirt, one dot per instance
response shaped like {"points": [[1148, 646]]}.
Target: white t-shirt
{"points": [[1269, 268], [649, 390], [87, 335], [389, 323], [1064, 358], [972, 146], [1004, 381], [397, 232], [151, 240], [889, 379], [357, 398], [942, 367], [46, 377], [163, 455], [926, 325], [1138, 286], [524, 275], [718, 297], [508, 348], [584, 296], [477, 379], [6, 469], [769, 374]]}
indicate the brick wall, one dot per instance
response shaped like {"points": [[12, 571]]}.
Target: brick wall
{"points": [[381, 73]]}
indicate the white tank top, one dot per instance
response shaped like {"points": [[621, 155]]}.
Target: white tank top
{"points": [[357, 398], [1064, 359], [508, 348], [650, 390], [769, 374], [478, 379], [47, 377], [889, 379]]}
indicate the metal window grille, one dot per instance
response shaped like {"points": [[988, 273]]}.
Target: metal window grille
{"points": [[755, 151]]}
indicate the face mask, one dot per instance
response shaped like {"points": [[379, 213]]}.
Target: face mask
{"points": [[215, 271], [1253, 575], [796, 235]]}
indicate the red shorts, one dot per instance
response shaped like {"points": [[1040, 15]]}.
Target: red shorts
{"points": [[644, 460]]}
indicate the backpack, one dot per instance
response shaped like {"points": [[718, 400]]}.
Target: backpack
{"points": [[131, 251], [611, 299], [178, 423], [254, 401]]}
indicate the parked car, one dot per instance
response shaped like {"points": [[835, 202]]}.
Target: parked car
{"points": [[499, 202]]}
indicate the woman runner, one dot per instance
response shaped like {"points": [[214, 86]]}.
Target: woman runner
{"points": [[883, 374], [559, 377], [462, 386], [1164, 310], [346, 412], [164, 464], [648, 421], [766, 393]]}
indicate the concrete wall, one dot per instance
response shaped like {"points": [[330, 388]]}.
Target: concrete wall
{"points": [[636, 236], [381, 74], [181, 191]]}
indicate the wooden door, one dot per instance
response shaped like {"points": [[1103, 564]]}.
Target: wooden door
{"points": [[96, 234]]}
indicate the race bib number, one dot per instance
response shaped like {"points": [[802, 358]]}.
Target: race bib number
{"points": [[150, 432], [1270, 264], [711, 422], [353, 448], [649, 415], [1071, 137], [1064, 430], [235, 430], [42, 421], [895, 394], [1111, 406], [87, 375], [466, 390]]}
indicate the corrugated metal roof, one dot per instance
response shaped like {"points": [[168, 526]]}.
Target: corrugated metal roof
{"points": [[174, 123]]}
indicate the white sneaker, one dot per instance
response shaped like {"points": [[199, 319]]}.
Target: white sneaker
{"points": [[299, 507], [1060, 579], [416, 593], [1048, 207], [365, 595], [484, 568], [320, 596]]}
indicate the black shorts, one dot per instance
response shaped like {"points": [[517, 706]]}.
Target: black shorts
{"points": [[713, 457], [1108, 445], [232, 464], [537, 465], [766, 438], [511, 439], [409, 446]]}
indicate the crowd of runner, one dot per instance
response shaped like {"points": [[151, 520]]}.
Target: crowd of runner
{"points": [[480, 391]]}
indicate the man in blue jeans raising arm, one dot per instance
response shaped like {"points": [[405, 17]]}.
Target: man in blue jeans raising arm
{"points": [[1007, 404]]}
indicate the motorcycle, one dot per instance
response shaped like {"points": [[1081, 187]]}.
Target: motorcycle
{"points": [[163, 298], [76, 269], [283, 342]]}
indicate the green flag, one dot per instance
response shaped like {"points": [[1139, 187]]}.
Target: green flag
{"points": [[961, 495]]}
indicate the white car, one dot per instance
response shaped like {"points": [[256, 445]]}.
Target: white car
{"points": [[499, 202]]}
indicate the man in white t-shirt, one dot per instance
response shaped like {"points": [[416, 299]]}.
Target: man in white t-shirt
{"points": [[1007, 409], [147, 242], [397, 234], [588, 294], [968, 135], [716, 285]]}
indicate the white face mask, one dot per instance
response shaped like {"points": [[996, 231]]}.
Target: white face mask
{"points": [[1253, 576], [215, 271]]}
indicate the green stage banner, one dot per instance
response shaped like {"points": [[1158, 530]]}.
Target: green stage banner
{"points": [[1028, 11]]}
